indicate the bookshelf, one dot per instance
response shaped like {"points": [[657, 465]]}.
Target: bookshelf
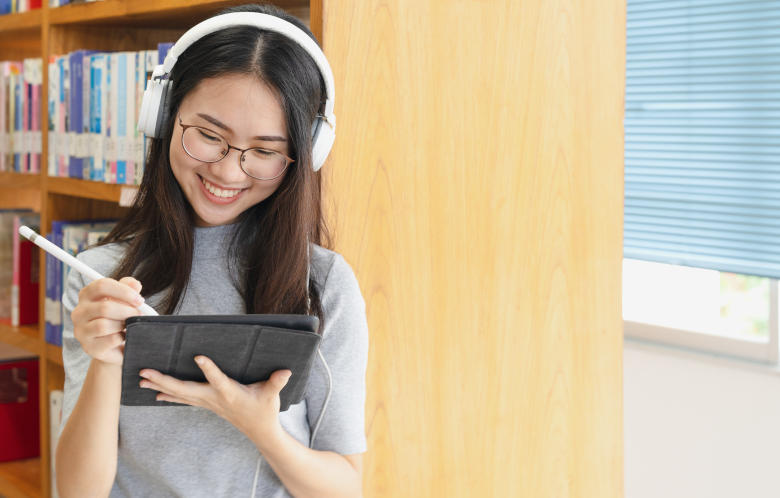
{"points": [[111, 25]]}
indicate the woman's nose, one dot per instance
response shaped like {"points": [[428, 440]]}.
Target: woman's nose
{"points": [[228, 170]]}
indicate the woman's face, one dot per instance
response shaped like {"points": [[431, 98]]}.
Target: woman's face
{"points": [[247, 114]]}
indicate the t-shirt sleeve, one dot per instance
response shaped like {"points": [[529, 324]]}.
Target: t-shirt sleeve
{"points": [[74, 359], [345, 348]]}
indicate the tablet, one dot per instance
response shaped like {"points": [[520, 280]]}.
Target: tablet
{"points": [[247, 348]]}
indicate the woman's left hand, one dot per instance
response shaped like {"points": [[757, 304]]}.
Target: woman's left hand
{"points": [[253, 409]]}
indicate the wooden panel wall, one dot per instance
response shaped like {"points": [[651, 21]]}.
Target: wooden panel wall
{"points": [[477, 180]]}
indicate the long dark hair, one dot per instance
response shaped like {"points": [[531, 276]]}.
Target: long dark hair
{"points": [[268, 247]]}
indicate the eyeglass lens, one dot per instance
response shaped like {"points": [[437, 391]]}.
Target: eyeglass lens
{"points": [[257, 163]]}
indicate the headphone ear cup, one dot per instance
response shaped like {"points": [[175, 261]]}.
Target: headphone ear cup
{"points": [[164, 113], [324, 136]]}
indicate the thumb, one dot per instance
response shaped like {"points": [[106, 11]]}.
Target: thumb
{"points": [[280, 378]]}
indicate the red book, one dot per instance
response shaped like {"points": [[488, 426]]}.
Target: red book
{"points": [[26, 260], [19, 406], [35, 4]]}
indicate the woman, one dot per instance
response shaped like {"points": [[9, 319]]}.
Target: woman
{"points": [[220, 235]]}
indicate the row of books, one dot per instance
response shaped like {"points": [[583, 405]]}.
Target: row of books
{"points": [[19, 268], [14, 6], [73, 237], [20, 115], [60, 3], [94, 102]]}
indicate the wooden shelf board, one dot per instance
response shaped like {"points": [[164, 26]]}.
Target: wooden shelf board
{"points": [[25, 337], [147, 13], [21, 478], [54, 353], [85, 188], [20, 180], [18, 22]]}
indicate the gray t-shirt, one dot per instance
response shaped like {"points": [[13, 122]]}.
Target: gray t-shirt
{"points": [[191, 452]]}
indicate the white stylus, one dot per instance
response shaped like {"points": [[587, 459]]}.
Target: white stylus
{"points": [[73, 262]]}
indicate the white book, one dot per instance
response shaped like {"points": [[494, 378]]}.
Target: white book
{"points": [[55, 418], [113, 118], [130, 84], [104, 112]]}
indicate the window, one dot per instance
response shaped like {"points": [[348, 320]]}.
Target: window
{"points": [[719, 312], [702, 175]]}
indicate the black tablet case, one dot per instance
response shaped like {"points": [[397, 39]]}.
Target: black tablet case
{"points": [[247, 348]]}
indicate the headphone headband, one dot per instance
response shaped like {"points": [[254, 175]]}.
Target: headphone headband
{"points": [[155, 110], [265, 22]]}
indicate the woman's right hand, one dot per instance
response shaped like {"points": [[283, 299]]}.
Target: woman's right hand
{"points": [[99, 317]]}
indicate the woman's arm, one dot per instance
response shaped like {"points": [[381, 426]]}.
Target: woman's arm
{"points": [[310, 473], [86, 456], [87, 448]]}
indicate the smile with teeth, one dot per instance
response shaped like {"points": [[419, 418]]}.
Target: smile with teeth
{"points": [[218, 192]]}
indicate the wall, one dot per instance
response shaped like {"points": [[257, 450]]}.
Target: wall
{"points": [[697, 427], [477, 180]]}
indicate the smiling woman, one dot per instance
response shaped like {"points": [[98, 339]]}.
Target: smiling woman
{"points": [[246, 111], [228, 220]]}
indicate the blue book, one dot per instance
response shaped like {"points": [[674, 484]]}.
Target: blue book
{"points": [[56, 328], [96, 111], [121, 120], [5, 7], [76, 163], [48, 307], [162, 51]]}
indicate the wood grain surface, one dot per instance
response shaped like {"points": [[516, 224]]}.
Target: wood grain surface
{"points": [[477, 184]]}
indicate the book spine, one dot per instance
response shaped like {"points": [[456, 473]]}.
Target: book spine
{"points": [[56, 398], [114, 116], [140, 81], [62, 116], [53, 94], [100, 116], [16, 278], [104, 103], [74, 113], [3, 128], [58, 288], [48, 306], [86, 137], [25, 130], [17, 122], [35, 122], [162, 51], [132, 67], [121, 119]]}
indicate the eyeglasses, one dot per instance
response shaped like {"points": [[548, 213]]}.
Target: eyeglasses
{"points": [[210, 147]]}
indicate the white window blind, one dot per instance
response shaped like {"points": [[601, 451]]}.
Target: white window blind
{"points": [[702, 134]]}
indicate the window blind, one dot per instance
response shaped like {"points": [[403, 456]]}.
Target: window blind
{"points": [[702, 134]]}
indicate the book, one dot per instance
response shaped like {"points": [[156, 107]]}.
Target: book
{"points": [[19, 404], [48, 306], [63, 121], [97, 116], [78, 146], [86, 139], [130, 116], [73, 237], [113, 118], [6, 261], [51, 109], [162, 51], [26, 273], [121, 118], [56, 398]]}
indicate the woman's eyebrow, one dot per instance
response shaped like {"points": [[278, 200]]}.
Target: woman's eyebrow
{"points": [[217, 122]]}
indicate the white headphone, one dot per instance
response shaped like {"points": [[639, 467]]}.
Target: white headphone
{"points": [[155, 107]]}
